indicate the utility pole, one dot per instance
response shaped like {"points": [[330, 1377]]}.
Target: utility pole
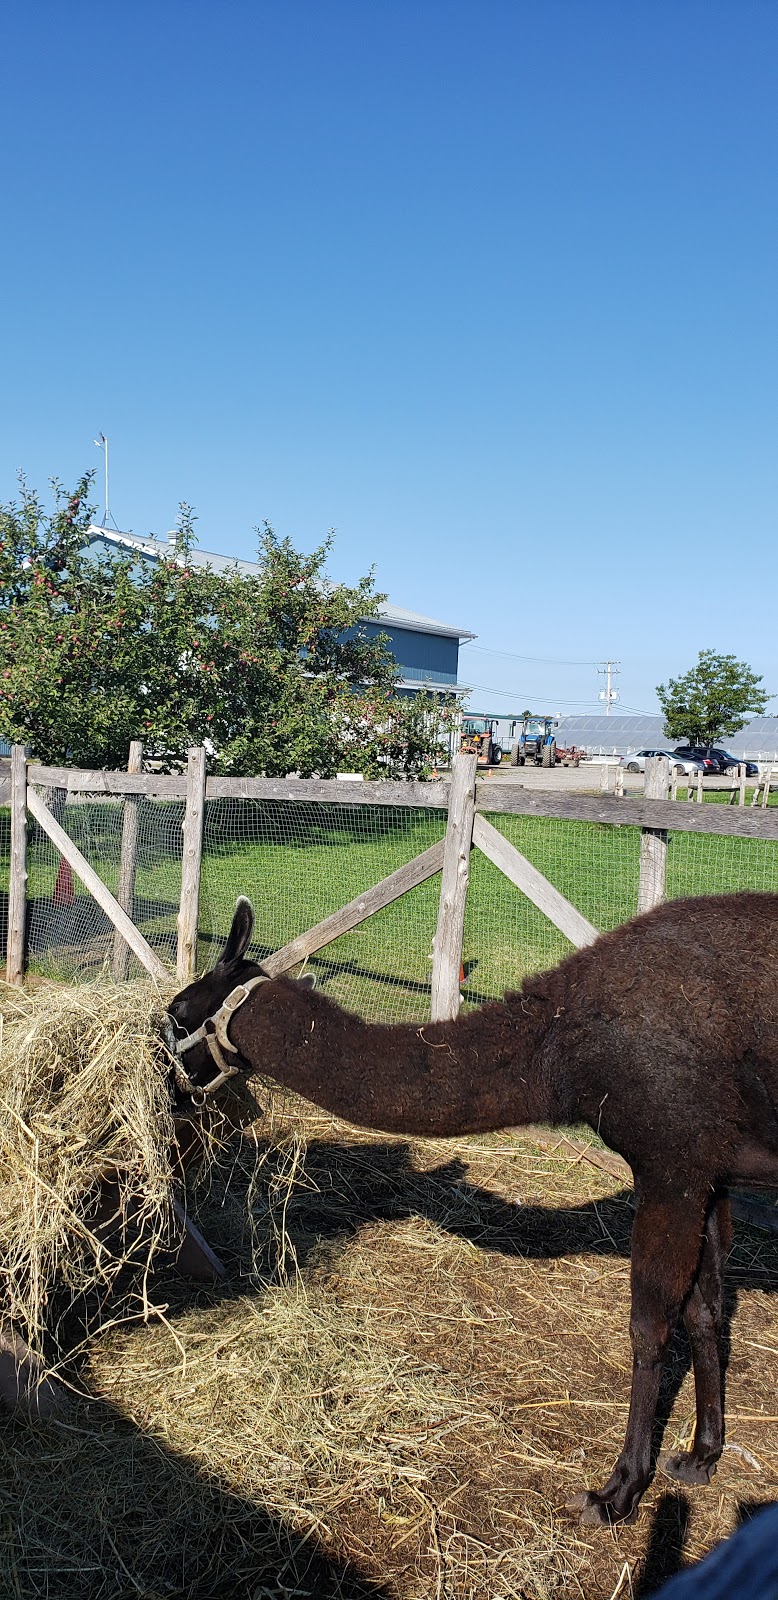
{"points": [[609, 670]]}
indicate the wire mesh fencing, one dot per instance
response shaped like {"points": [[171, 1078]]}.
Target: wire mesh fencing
{"points": [[594, 866], [300, 861], [297, 862], [68, 935], [700, 863]]}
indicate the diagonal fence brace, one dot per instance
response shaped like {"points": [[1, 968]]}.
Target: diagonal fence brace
{"points": [[533, 884], [48, 822]]}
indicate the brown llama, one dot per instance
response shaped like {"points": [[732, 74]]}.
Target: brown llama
{"points": [[663, 1036]]}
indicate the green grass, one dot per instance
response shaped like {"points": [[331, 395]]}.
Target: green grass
{"points": [[299, 863], [723, 796]]}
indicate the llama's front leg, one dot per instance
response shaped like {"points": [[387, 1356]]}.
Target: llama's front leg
{"points": [[666, 1239], [702, 1315]]}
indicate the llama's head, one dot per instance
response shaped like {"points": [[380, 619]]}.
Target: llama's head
{"points": [[198, 1018]]}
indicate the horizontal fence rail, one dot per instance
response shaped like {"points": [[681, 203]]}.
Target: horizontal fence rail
{"points": [[747, 823], [636, 813]]}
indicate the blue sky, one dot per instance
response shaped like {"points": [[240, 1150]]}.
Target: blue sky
{"points": [[488, 287]]}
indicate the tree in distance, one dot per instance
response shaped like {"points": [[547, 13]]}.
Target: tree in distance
{"points": [[711, 700], [273, 671]]}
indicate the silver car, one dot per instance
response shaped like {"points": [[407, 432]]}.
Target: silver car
{"points": [[636, 762]]}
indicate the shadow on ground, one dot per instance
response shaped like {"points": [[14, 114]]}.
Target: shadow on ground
{"points": [[92, 1507]]}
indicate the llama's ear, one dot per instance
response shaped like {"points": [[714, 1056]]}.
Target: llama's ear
{"points": [[308, 980], [239, 934]]}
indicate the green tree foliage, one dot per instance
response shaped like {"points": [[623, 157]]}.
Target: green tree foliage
{"points": [[711, 700], [273, 671]]}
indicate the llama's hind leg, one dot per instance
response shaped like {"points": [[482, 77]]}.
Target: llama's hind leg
{"points": [[666, 1241], [703, 1318]]}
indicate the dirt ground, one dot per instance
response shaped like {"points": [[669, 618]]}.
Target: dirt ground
{"points": [[422, 1353]]}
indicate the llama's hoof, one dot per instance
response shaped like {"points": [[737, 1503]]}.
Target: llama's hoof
{"points": [[596, 1512], [687, 1467]]}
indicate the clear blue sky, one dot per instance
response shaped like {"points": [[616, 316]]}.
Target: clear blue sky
{"points": [[488, 287]]}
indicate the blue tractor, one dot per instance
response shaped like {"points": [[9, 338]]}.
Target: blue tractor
{"points": [[536, 741]]}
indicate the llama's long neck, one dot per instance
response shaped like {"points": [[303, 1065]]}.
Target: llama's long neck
{"points": [[483, 1071]]}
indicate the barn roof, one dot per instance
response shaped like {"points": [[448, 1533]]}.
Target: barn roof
{"points": [[159, 550]]}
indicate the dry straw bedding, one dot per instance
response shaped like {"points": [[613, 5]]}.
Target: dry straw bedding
{"points": [[82, 1095], [422, 1351]]}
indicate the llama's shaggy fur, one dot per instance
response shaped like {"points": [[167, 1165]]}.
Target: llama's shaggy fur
{"points": [[663, 1036]]}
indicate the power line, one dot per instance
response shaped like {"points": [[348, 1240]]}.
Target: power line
{"points": [[514, 694], [510, 655]]}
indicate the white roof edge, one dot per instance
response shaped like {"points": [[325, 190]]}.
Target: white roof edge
{"points": [[416, 623], [131, 541], [429, 686]]}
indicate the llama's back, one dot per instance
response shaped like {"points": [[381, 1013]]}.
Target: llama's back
{"points": [[667, 1032]]}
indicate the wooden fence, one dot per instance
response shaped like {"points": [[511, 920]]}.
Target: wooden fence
{"points": [[466, 800]]}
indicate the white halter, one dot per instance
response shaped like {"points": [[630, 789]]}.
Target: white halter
{"points": [[213, 1033]]}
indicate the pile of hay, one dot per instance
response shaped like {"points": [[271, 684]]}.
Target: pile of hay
{"points": [[83, 1096]]}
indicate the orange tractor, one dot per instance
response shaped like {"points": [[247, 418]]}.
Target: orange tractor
{"points": [[478, 739]]}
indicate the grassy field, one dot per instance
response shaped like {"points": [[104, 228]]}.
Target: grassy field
{"points": [[298, 863]]}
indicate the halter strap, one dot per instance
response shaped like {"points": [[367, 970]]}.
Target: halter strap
{"points": [[213, 1033]]}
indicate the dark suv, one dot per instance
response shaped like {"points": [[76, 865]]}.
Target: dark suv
{"points": [[715, 759]]}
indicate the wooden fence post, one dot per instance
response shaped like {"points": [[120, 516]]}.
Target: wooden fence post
{"points": [[186, 958], [127, 862], [741, 774], [653, 844], [447, 949], [17, 885]]}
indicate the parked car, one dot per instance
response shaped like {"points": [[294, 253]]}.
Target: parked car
{"points": [[689, 752], [721, 760], [635, 761]]}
